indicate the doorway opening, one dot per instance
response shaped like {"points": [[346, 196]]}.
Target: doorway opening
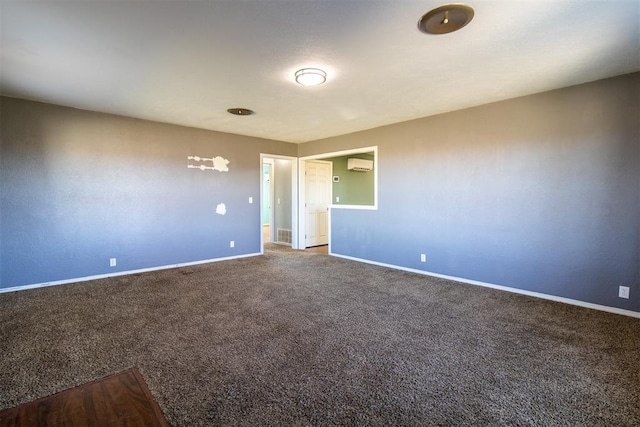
{"points": [[317, 199], [278, 200]]}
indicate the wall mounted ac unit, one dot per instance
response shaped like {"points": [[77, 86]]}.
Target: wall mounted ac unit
{"points": [[361, 165]]}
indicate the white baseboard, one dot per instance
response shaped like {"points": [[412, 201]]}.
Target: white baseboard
{"points": [[579, 303], [120, 273]]}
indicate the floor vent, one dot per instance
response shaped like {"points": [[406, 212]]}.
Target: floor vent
{"points": [[283, 236]]}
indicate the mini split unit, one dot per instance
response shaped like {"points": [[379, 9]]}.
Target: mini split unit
{"points": [[361, 165]]}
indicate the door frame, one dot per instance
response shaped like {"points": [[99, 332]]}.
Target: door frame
{"points": [[294, 198]]}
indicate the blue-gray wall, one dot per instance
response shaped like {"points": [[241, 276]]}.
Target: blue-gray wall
{"points": [[540, 193], [78, 188]]}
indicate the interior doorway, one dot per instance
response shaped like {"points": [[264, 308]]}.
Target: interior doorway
{"points": [[278, 200]]}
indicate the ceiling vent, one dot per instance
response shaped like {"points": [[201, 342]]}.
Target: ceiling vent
{"points": [[360, 165]]}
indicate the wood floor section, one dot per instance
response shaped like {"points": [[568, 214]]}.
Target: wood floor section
{"points": [[122, 399], [323, 249]]}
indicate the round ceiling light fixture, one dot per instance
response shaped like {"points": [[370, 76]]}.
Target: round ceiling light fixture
{"points": [[238, 111], [311, 76], [446, 19]]}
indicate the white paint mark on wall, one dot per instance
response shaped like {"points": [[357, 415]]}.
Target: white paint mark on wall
{"points": [[221, 209], [217, 163]]}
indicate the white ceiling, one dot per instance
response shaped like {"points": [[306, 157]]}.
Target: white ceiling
{"points": [[186, 62]]}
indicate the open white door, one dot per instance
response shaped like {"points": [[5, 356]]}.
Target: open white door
{"points": [[317, 200]]}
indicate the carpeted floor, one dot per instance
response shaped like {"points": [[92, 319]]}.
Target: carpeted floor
{"points": [[295, 338]]}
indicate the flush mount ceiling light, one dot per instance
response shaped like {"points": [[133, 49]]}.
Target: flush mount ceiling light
{"points": [[446, 19], [311, 76], [240, 111]]}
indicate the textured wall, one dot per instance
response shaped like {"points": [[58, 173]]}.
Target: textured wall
{"points": [[78, 188], [540, 193]]}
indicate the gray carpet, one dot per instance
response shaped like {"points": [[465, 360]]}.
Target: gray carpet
{"points": [[294, 338]]}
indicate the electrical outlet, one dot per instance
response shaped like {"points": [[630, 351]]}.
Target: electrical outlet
{"points": [[623, 292], [232, 244], [423, 257], [337, 199], [112, 262], [250, 199]]}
